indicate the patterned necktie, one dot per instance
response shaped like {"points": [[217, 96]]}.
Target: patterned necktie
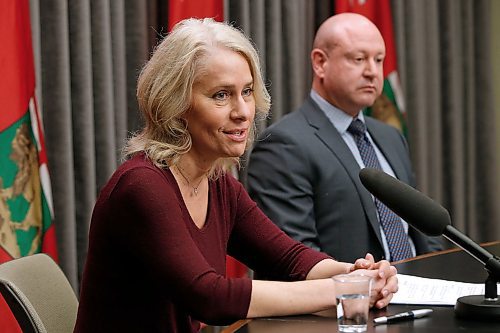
{"points": [[397, 239]]}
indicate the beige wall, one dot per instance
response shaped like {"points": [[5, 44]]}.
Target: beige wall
{"points": [[495, 35]]}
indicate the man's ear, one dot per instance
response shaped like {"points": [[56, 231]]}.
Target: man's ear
{"points": [[318, 60]]}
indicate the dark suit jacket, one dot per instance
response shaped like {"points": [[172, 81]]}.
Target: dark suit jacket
{"points": [[304, 177]]}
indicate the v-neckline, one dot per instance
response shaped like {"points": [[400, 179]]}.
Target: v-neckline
{"points": [[185, 208]]}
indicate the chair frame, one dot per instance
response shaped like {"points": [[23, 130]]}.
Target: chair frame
{"points": [[22, 315], [38, 294]]}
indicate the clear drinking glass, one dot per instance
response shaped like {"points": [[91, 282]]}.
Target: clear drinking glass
{"points": [[353, 301]]}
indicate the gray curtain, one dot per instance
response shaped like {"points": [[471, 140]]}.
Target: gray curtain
{"points": [[444, 53], [88, 54]]}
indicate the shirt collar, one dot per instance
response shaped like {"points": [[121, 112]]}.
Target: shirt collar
{"points": [[337, 117]]}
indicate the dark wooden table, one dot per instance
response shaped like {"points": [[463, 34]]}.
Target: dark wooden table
{"points": [[455, 265]]}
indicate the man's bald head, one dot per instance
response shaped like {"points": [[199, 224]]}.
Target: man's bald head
{"points": [[337, 27], [347, 60]]}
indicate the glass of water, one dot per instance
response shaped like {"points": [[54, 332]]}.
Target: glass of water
{"points": [[353, 301]]}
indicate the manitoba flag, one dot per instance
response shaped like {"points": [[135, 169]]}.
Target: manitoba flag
{"points": [[25, 196], [389, 107]]}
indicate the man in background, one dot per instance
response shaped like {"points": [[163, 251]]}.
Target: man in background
{"points": [[303, 170]]}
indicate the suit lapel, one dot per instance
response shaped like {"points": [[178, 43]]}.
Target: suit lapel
{"points": [[329, 135]]}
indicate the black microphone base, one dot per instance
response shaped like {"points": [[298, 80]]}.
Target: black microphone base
{"points": [[476, 307]]}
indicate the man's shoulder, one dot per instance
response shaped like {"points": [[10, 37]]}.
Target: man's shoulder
{"points": [[296, 116], [370, 121], [375, 125], [295, 120]]}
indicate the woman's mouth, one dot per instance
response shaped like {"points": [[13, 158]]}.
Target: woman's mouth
{"points": [[238, 135]]}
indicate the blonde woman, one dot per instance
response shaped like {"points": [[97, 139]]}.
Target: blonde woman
{"points": [[163, 224]]}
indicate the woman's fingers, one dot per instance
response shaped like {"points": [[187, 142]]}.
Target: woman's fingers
{"points": [[364, 263], [386, 292]]}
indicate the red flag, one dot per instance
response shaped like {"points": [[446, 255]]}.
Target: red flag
{"points": [[25, 195], [177, 11], [21, 134], [182, 9], [390, 105]]}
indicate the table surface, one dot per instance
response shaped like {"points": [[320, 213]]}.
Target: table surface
{"points": [[455, 265]]}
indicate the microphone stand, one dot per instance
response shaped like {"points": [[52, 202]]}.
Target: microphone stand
{"points": [[433, 220], [478, 307]]}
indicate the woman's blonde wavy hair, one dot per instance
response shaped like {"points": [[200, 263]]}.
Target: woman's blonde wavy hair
{"points": [[164, 89]]}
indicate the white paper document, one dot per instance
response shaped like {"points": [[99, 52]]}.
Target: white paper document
{"points": [[425, 291]]}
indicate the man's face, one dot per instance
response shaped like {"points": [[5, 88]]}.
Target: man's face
{"points": [[353, 75]]}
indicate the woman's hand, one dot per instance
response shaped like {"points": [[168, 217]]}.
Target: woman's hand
{"points": [[383, 288], [384, 283], [364, 263]]}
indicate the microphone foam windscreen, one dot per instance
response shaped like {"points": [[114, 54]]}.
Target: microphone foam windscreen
{"points": [[418, 210]]}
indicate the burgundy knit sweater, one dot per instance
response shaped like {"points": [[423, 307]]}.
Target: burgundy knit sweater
{"points": [[150, 269]]}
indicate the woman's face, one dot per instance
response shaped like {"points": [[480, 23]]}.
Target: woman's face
{"points": [[223, 106]]}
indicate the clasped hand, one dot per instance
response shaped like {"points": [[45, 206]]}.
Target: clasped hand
{"points": [[384, 283]]}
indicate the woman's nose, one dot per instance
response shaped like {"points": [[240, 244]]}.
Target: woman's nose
{"points": [[243, 109]]}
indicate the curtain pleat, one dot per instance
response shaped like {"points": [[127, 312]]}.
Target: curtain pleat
{"points": [[57, 114], [35, 36], [454, 122], [137, 53], [119, 63], [418, 45], [88, 55], [102, 71], [82, 95], [487, 190], [298, 29]]}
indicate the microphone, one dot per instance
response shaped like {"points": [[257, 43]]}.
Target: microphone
{"points": [[415, 208], [430, 218], [420, 211]]}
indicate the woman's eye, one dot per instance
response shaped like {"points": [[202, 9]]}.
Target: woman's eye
{"points": [[221, 95], [247, 92]]}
